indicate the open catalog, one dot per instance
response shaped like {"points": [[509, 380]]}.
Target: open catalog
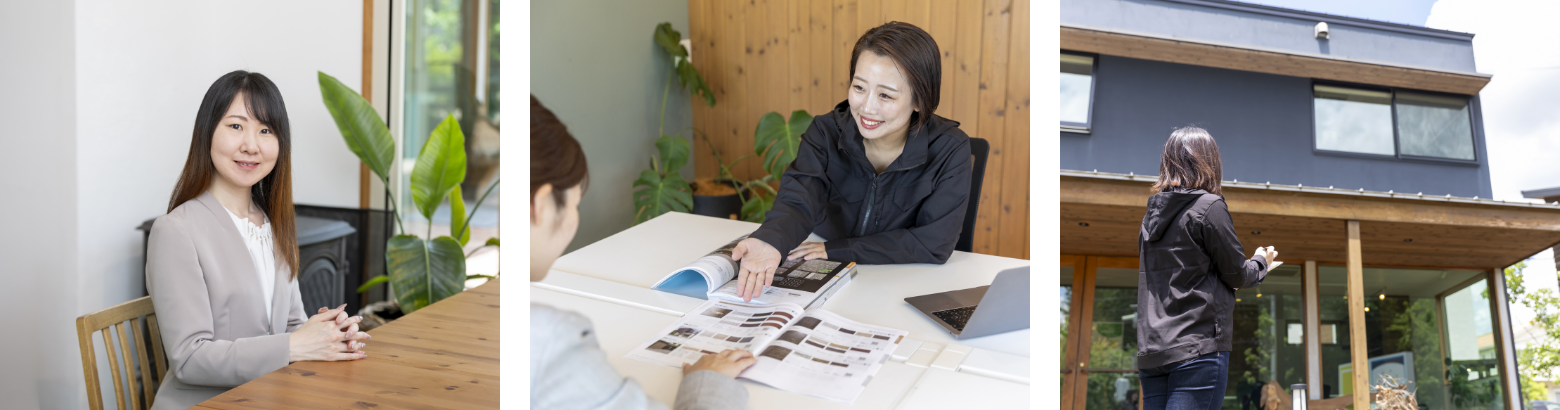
{"points": [[806, 351], [804, 283]]}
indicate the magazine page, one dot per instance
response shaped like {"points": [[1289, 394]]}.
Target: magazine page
{"points": [[796, 281], [706, 273], [715, 326], [825, 355]]}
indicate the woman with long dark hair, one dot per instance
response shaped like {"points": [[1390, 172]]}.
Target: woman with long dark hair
{"points": [[1190, 265], [222, 264]]}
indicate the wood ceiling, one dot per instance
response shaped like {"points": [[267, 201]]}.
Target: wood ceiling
{"points": [[1234, 57], [1311, 226]]}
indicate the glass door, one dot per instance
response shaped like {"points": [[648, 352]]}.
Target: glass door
{"points": [[1109, 347]]}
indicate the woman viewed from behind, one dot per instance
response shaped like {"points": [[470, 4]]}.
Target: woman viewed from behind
{"points": [[568, 368], [1190, 265]]}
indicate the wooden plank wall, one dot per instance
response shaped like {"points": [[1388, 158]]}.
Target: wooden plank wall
{"points": [[775, 55]]}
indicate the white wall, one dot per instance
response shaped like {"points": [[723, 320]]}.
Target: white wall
{"points": [[98, 99], [38, 356]]}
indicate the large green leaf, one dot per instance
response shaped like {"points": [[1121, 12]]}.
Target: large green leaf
{"points": [[441, 165], [359, 124], [458, 217], [694, 83], [756, 206], [659, 194], [674, 152], [424, 272], [777, 140], [668, 39]]}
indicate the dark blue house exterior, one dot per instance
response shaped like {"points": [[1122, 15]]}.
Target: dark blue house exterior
{"points": [[1355, 147]]}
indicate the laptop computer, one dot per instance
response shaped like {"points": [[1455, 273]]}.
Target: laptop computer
{"points": [[1000, 307]]}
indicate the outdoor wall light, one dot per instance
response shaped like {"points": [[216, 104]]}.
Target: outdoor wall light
{"points": [[1321, 31], [1083, 224]]}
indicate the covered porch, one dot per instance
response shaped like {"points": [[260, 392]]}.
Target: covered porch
{"points": [[1409, 283]]}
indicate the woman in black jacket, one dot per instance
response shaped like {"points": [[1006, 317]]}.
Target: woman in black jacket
{"points": [[1190, 265], [880, 177]]}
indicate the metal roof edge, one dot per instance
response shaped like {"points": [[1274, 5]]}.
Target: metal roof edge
{"points": [[1319, 190], [1271, 50], [1329, 18]]}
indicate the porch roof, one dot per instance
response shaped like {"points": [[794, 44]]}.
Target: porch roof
{"points": [[1101, 212]]}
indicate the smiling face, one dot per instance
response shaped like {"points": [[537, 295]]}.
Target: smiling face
{"points": [[880, 97], [242, 149]]}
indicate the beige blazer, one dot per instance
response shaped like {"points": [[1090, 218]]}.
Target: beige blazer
{"points": [[210, 307]]}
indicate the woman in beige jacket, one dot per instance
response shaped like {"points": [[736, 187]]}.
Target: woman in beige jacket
{"points": [[221, 266]]}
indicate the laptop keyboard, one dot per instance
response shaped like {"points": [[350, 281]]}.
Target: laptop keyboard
{"points": [[956, 317]]}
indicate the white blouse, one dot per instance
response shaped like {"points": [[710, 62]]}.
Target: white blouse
{"points": [[262, 251]]}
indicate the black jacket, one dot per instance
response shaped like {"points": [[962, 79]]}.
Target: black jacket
{"points": [[1190, 265], [911, 213]]}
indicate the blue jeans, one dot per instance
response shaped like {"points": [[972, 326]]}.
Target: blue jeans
{"points": [[1195, 384]]}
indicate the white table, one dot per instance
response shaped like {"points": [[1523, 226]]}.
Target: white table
{"points": [[642, 255], [609, 281]]}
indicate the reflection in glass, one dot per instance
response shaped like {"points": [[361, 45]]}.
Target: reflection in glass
{"points": [[1077, 81], [1067, 290], [1113, 340], [1267, 338], [1353, 120], [1434, 126], [1333, 327]]}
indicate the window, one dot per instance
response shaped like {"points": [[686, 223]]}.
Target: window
{"points": [[1434, 126], [1077, 92], [1392, 123], [451, 68]]}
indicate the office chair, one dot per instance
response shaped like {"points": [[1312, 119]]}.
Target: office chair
{"points": [[979, 148]]}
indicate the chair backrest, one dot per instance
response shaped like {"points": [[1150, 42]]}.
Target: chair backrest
{"points": [[979, 148], [112, 320]]}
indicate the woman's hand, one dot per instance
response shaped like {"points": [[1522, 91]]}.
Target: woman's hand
{"points": [[809, 251], [1268, 253], [759, 261], [327, 336], [730, 362]]}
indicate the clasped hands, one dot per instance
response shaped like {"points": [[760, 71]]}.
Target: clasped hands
{"points": [[330, 335]]}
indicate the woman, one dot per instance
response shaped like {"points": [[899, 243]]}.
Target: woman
{"points": [[1185, 316], [881, 177], [568, 368], [222, 265]]}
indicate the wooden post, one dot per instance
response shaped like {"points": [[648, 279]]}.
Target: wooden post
{"points": [[1358, 348], [364, 182], [1074, 329], [1511, 389], [1313, 339]]}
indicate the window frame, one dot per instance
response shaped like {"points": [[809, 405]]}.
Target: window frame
{"points": [[1474, 125], [1087, 126]]}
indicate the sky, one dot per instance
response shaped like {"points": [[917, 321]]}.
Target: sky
{"points": [[1517, 44]]}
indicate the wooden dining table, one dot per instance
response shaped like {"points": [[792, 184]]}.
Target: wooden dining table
{"points": [[442, 356]]}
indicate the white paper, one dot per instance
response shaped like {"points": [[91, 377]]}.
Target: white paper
{"points": [[815, 353]]}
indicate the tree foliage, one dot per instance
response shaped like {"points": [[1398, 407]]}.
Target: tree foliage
{"points": [[1541, 357]]}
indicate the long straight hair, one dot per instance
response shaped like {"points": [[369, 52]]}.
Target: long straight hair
{"points": [[274, 192], [1191, 160]]}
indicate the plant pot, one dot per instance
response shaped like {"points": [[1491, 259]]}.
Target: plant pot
{"points": [[378, 313], [717, 199]]}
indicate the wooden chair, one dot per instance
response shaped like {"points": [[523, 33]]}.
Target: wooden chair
{"points": [[115, 318]]}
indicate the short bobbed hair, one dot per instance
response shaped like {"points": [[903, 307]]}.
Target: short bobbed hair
{"points": [[916, 54]]}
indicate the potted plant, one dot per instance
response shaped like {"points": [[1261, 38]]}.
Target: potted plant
{"points": [[777, 140], [421, 270], [661, 188]]}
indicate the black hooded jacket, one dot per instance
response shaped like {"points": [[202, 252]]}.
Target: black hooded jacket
{"points": [[1190, 265], [910, 213]]}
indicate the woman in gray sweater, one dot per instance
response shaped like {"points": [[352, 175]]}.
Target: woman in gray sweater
{"points": [[568, 368]]}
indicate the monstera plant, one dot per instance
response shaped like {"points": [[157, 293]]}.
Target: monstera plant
{"points": [[422, 269], [661, 188], [776, 140]]}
